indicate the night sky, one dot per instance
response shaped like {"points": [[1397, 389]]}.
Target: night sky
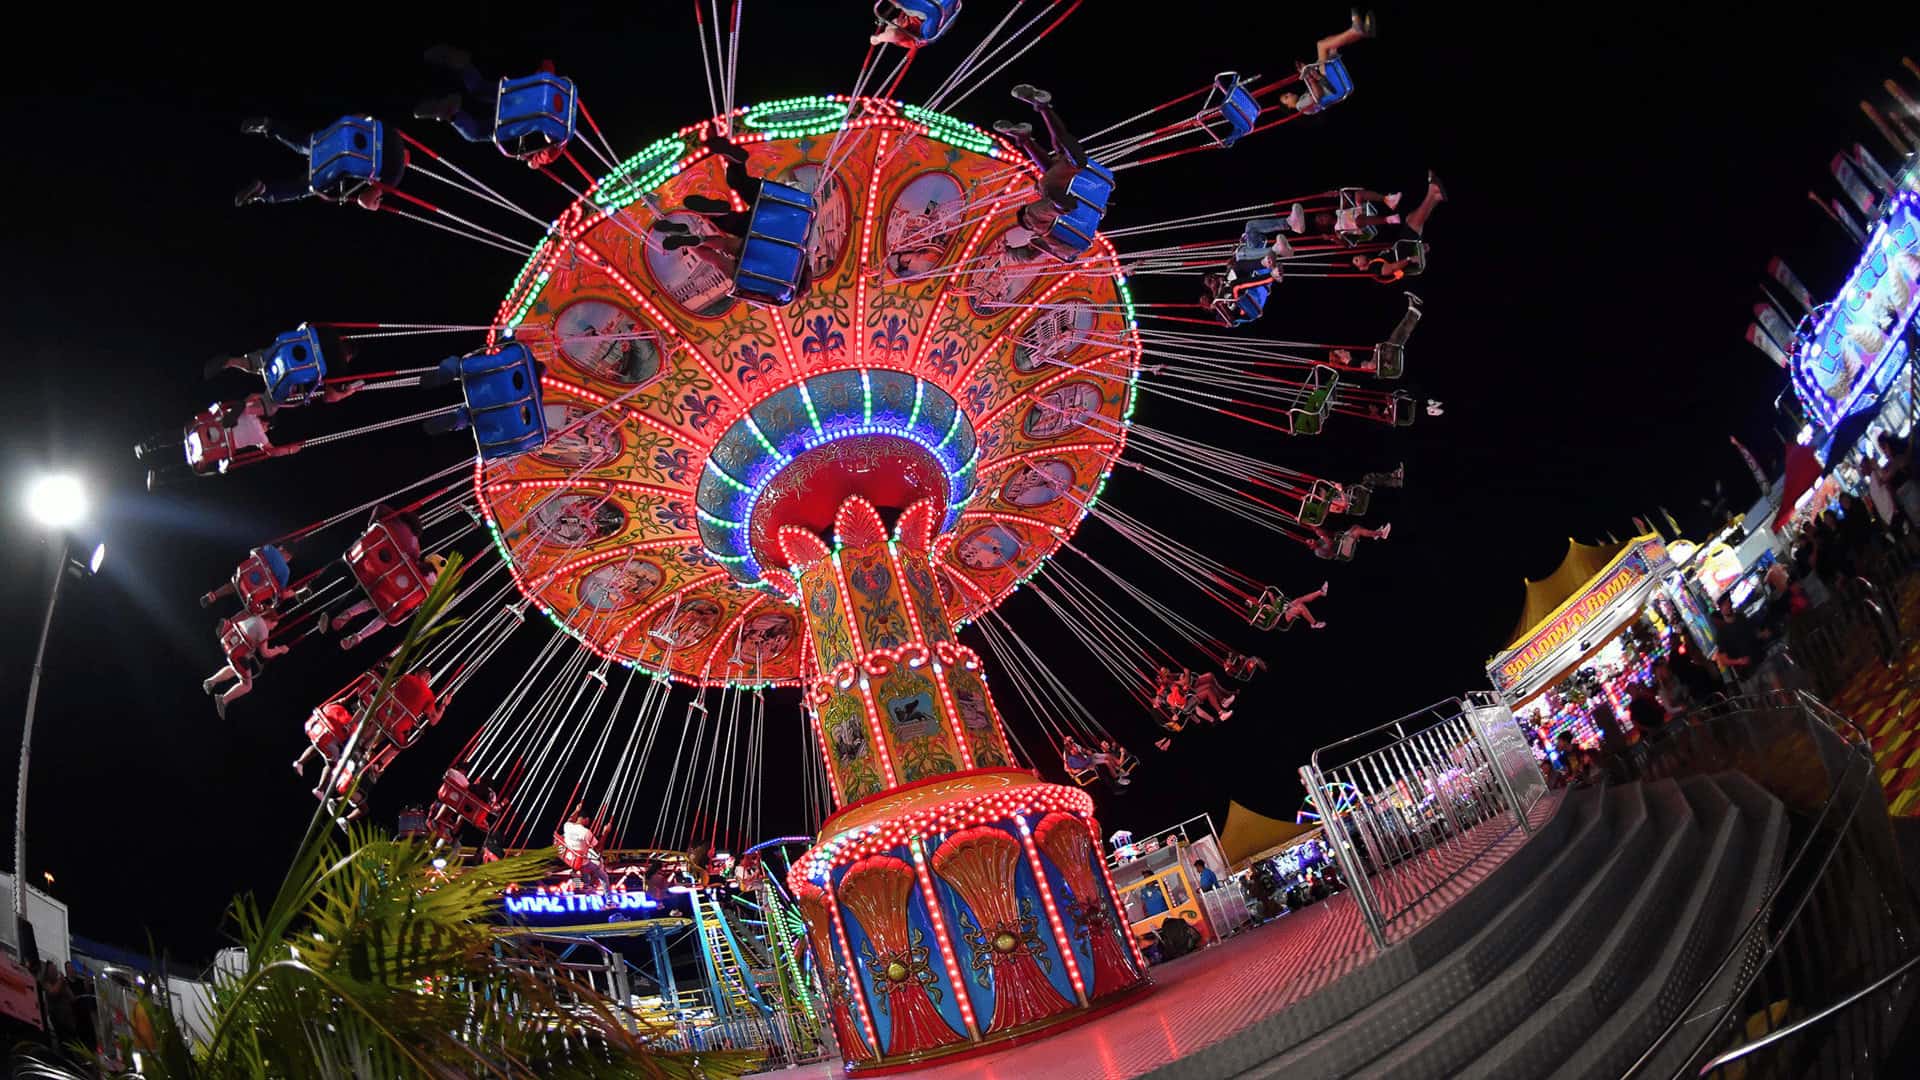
{"points": [[1618, 183]]}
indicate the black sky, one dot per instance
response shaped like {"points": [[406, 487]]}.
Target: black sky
{"points": [[1619, 179]]}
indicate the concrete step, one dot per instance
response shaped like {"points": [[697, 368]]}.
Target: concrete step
{"points": [[1452, 1042], [1355, 990], [1755, 870], [1542, 1042], [1528, 915]]}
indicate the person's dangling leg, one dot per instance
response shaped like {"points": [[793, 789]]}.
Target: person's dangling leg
{"points": [[243, 684], [470, 128], [1408, 321], [1021, 136], [744, 184], [1257, 238], [1417, 221], [1058, 134], [337, 621], [372, 627], [266, 126], [300, 763], [218, 677]]}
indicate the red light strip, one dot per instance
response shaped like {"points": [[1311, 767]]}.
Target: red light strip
{"points": [[947, 959], [1061, 938], [920, 635], [627, 286], [1002, 462], [853, 970], [867, 217], [946, 286], [599, 483], [620, 638], [592, 398]]}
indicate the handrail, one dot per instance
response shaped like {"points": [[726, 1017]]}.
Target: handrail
{"points": [[1803, 1023], [1859, 753], [1315, 758]]}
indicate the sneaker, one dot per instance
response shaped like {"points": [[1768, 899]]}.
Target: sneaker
{"points": [[450, 57], [1433, 181], [1318, 625], [1364, 22], [670, 227], [1032, 95], [1163, 744], [1412, 300], [727, 148], [1008, 127], [707, 204], [1324, 586], [440, 108], [1393, 219], [1281, 248], [220, 706], [1297, 218], [255, 125], [676, 241], [1386, 530], [1392, 200], [250, 194], [1225, 715]]}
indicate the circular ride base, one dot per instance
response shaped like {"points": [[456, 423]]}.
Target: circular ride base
{"points": [[960, 915]]}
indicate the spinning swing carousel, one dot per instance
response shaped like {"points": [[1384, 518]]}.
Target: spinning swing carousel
{"points": [[786, 399]]}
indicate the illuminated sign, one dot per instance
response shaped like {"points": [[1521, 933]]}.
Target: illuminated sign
{"points": [[570, 903], [1572, 619], [1851, 338]]}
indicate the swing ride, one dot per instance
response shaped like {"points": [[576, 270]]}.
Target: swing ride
{"points": [[786, 400]]}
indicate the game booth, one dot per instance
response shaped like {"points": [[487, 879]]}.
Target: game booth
{"points": [[1159, 879], [1589, 628]]}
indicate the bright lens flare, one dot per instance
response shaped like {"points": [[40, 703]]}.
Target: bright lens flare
{"points": [[57, 501]]}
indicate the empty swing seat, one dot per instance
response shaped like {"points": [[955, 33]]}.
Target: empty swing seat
{"points": [[1326, 84], [1230, 111], [1359, 498], [1313, 508], [924, 19], [774, 254], [1389, 360], [1414, 252], [1402, 409], [502, 391], [346, 157], [295, 366], [534, 113]]}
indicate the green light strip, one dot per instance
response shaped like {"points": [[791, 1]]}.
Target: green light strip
{"points": [[812, 417], [728, 480], [919, 387], [951, 428], [720, 522], [866, 398], [834, 116], [946, 129], [764, 443]]}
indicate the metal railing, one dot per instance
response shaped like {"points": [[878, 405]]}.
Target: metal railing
{"points": [[1817, 982], [1841, 638], [1411, 804]]}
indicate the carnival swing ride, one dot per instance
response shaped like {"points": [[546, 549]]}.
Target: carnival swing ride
{"points": [[786, 399]]}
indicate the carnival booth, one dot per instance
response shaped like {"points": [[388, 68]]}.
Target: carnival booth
{"points": [[1159, 879], [1592, 626]]}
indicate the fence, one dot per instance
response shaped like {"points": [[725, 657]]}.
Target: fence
{"points": [[1411, 804], [1820, 982]]}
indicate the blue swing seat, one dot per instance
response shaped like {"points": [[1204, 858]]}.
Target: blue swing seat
{"points": [[1242, 305], [1230, 111], [775, 251], [935, 16], [1338, 84], [295, 366], [1071, 234], [502, 390], [534, 113], [345, 157]]}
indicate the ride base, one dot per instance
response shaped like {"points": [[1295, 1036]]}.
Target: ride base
{"points": [[963, 914]]}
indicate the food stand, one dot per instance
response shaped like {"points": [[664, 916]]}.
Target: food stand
{"points": [[1598, 622]]}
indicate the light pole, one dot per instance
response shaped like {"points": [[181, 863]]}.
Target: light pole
{"points": [[57, 502]]}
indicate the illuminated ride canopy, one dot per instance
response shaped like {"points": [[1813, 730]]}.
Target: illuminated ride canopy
{"points": [[817, 495]]}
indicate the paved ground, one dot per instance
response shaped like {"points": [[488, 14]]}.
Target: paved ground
{"points": [[1886, 703], [1212, 995]]}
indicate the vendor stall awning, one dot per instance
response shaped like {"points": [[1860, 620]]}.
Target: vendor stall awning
{"points": [[1248, 835], [1597, 590], [1545, 596]]}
